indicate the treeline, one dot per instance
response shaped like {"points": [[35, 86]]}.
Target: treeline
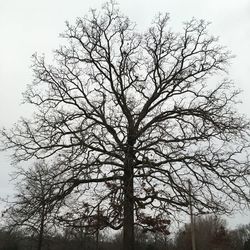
{"points": [[211, 232]]}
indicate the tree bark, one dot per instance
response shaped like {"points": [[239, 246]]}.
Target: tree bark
{"points": [[128, 223]]}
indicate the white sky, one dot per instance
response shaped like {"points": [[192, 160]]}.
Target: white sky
{"points": [[30, 26]]}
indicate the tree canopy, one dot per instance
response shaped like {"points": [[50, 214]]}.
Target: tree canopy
{"points": [[126, 118]]}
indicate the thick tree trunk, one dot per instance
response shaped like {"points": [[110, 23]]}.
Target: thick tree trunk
{"points": [[128, 223]]}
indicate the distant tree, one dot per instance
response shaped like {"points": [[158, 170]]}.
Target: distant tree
{"points": [[79, 237], [240, 237], [129, 117], [9, 241], [211, 233], [30, 211]]}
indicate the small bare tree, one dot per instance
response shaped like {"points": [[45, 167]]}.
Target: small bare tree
{"points": [[129, 117], [30, 210]]}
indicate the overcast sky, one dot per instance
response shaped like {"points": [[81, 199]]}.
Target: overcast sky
{"points": [[30, 26]]}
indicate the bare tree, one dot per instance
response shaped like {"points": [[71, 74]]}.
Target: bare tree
{"points": [[30, 210], [211, 232], [240, 237], [129, 117]]}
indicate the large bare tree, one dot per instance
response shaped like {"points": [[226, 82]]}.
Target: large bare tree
{"points": [[128, 117]]}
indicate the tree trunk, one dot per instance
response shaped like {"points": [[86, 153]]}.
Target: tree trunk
{"points": [[41, 229], [40, 236], [128, 222]]}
